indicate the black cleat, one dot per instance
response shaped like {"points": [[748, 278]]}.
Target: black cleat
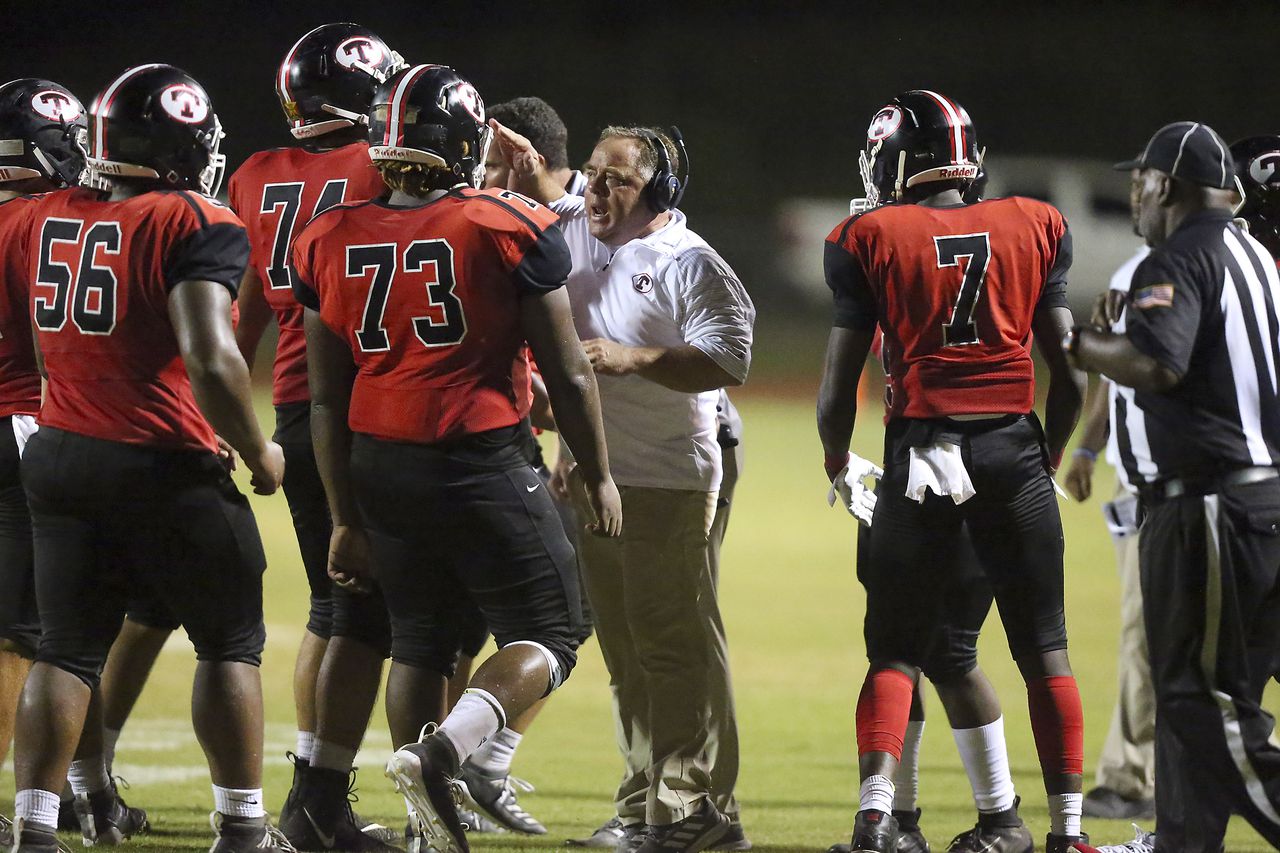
{"points": [[35, 838], [105, 819], [734, 839], [700, 830], [496, 797], [247, 835], [425, 773], [321, 818], [910, 838], [874, 832], [996, 832], [1063, 843], [1109, 804]]}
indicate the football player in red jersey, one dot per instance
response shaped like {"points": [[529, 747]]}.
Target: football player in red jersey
{"points": [[43, 128], [959, 291], [131, 289], [419, 309], [325, 84]]}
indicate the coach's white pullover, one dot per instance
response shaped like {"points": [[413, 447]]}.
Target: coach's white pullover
{"points": [[664, 290]]}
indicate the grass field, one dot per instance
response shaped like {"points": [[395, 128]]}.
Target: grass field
{"points": [[794, 614]]}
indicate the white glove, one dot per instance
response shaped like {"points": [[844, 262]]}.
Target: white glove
{"points": [[855, 497]]}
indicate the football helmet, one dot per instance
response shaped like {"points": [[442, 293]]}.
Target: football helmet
{"points": [[430, 114], [155, 121], [43, 131], [1257, 161], [918, 137], [328, 78]]}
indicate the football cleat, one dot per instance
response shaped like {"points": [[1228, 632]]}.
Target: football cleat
{"points": [[321, 817], [105, 819], [1143, 842], [496, 797], [424, 774], [6, 833], [910, 838], [874, 832], [34, 838], [1109, 804], [734, 839], [609, 835], [247, 835], [700, 830], [1065, 843]]}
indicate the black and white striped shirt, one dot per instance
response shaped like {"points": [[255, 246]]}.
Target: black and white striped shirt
{"points": [[1203, 304]]}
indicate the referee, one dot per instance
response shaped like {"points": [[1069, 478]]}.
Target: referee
{"points": [[1200, 350]]}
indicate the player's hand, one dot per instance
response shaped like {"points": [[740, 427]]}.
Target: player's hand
{"points": [[518, 153], [855, 496], [610, 358], [1079, 479], [560, 478], [226, 454], [349, 558], [267, 469]]}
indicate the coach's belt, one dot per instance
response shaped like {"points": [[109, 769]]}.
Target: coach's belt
{"points": [[1177, 487]]}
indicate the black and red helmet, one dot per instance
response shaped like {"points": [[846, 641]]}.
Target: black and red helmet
{"points": [[43, 132], [156, 122], [327, 79], [918, 137], [1257, 160], [430, 114]]}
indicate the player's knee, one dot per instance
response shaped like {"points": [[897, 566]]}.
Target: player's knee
{"points": [[432, 659], [231, 646], [560, 657], [86, 666], [320, 616]]}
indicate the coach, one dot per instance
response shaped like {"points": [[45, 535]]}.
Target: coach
{"points": [[666, 324], [1200, 350]]}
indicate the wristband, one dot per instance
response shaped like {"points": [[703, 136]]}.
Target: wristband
{"points": [[1085, 453], [833, 462]]}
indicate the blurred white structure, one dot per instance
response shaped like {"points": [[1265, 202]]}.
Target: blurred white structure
{"points": [[1093, 197]]}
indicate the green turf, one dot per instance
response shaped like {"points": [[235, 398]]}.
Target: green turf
{"points": [[794, 614]]}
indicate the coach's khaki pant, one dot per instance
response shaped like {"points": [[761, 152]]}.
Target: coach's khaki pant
{"points": [[658, 622], [1127, 763]]}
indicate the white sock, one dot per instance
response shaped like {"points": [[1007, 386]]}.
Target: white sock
{"points": [[475, 719], [1064, 813], [110, 737], [238, 802], [332, 756], [496, 754], [36, 806], [306, 745], [986, 760], [88, 775], [906, 779], [876, 793]]}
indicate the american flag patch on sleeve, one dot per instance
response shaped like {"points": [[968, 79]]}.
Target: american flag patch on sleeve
{"points": [[1155, 296]]}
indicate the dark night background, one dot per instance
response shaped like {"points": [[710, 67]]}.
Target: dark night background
{"points": [[773, 98]]}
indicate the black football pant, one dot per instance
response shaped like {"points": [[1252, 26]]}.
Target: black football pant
{"points": [[917, 550], [1210, 569], [19, 621]]}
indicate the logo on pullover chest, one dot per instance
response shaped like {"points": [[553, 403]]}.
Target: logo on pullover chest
{"points": [[642, 282]]}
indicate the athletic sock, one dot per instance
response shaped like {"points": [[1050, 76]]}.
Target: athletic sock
{"points": [[876, 793], [986, 761], [1064, 813], [110, 737], [36, 806], [495, 755], [238, 802], [474, 719], [906, 779], [306, 745], [332, 756], [1057, 722], [883, 708], [88, 775]]}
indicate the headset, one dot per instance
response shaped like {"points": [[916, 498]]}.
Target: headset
{"points": [[665, 189]]}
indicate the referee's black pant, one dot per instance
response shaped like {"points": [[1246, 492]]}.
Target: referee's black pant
{"points": [[1211, 593]]}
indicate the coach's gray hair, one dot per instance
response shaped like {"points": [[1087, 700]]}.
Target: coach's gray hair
{"points": [[648, 154]]}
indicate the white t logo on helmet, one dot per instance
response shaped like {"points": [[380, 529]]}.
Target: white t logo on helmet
{"points": [[185, 103], [884, 124], [55, 105], [1263, 168], [359, 52]]}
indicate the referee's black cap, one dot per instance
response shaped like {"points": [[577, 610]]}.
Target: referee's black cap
{"points": [[1188, 150]]}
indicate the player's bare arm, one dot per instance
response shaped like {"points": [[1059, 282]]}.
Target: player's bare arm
{"points": [[1067, 384], [201, 315], [529, 174], [1093, 438], [540, 414], [1106, 352], [847, 351], [683, 368], [255, 315], [331, 372], [575, 400]]}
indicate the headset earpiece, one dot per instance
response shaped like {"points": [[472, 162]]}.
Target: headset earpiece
{"points": [[665, 188]]}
